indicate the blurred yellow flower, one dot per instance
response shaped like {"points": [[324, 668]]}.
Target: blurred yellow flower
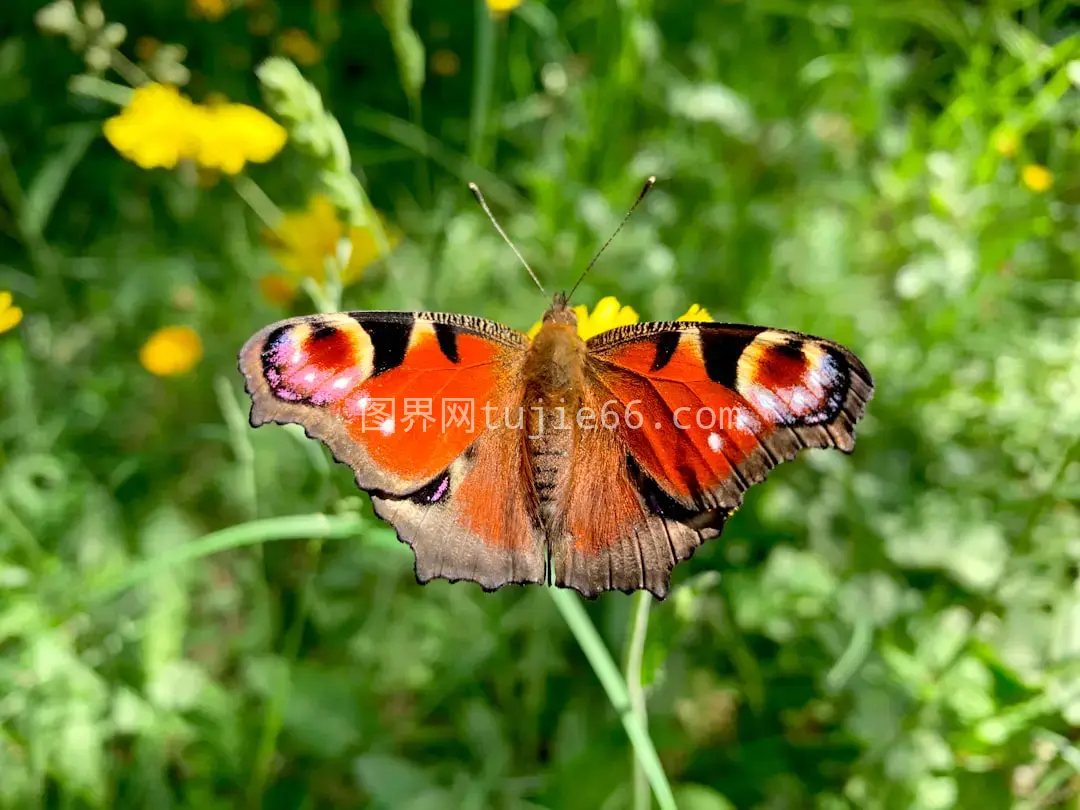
{"points": [[146, 47], [209, 9], [445, 62], [261, 24], [277, 288], [695, 313], [230, 135], [607, 314], [304, 240], [298, 46], [9, 315], [1006, 142], [155, 129], [171, 350], [1036, 177], [502, 6], [160, 127]]}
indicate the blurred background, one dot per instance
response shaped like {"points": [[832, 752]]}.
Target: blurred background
{"points": [[894, 629]]}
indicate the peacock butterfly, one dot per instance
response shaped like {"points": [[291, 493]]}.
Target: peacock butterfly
{"points": [[596, 464]]}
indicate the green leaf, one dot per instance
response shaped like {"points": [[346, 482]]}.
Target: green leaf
{"points": [[391, 781], [46, 188], [322, 709], [699, 797]]}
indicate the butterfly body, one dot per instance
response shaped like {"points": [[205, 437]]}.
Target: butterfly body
{"points": [[597, 464]]}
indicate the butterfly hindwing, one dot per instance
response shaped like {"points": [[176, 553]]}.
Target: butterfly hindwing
{"points": [[705, 410], [399, 397]]}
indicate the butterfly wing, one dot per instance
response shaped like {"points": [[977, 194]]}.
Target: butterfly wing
{"points": [[703, 412], [400, 398]]}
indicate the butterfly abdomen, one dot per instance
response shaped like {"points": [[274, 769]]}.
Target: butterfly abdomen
{"points": [[554, 379]]}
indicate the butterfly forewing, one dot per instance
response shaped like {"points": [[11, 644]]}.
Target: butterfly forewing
{"points": [[402, 399]]}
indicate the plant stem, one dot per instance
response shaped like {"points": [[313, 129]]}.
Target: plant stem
{"points": [[635, 656], [483, 81], [608, 673], [101, 89], [296, 527], [257, 199], [279, 697]]}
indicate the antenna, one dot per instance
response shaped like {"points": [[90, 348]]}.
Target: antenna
{"points": [[475, 189], [648, 185]]}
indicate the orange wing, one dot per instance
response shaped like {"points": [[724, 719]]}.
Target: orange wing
{"points": [[401, 398], [703, 412]]}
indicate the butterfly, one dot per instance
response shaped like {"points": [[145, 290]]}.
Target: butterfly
{"points": [[594, 464]]}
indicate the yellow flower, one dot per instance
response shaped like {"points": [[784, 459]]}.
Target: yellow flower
{"points": [[695, 313], [171, 350], [606, 315], [9, 315], [230, 135], [445, 62], [304, 240], [261, 24], [609, 314], [209, 9], [145, 48], [160, 127], [155, 128], [277, 288], [1036, 177], [299, 47], [502, 6]]}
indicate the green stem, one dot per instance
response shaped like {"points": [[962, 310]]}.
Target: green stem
{"points": [[279, 698], [259, 201], [608, 673], [101, 89], [240, 437], [296, 527], [483, 82], [635, 657], [128, 70]]}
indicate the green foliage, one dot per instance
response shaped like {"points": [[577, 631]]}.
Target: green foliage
{"points": [[895, 629]]}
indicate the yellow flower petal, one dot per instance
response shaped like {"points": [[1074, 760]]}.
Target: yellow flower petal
{"points": [[445, 62], [209, 9], [171, 350], [9, 318], [1036, 177], [146, 47], [696, 313], [608, 314], [230, 135], [155, 129], [304, 240], [298, 46], [9, 315], [365, 249], [277, 288], [502, 6]]}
